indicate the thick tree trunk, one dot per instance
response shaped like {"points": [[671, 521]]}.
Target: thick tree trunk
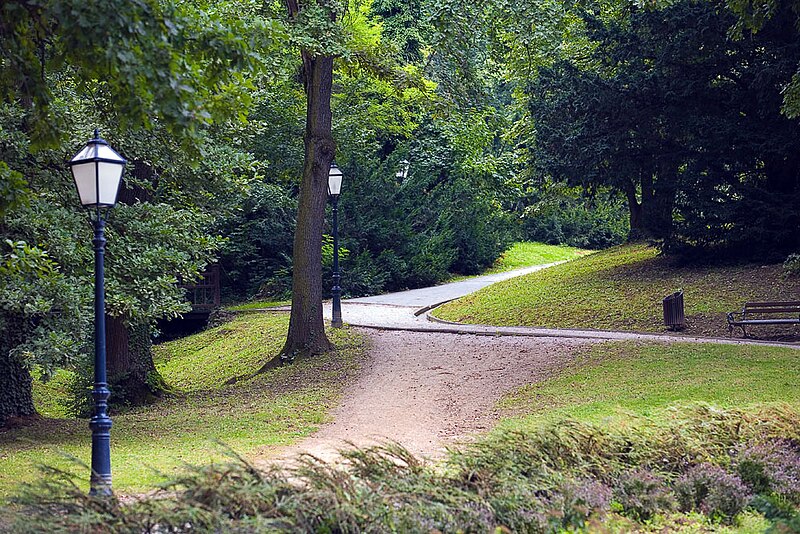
{"points": [[635, 214], [652, 217], [16, 395], [306, 328], [16, 398], [132, 375]]}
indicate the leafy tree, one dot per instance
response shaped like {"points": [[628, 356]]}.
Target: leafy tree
{"points": [[173, 68], [671, 112], [755, 15]]}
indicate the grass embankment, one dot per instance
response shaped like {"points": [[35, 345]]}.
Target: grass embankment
{"points": [[251, 415], [526, 254], [616, 381], [257, 305], [621, 289]]}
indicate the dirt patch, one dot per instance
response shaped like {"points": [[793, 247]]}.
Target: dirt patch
{"points": [[430, 390]]}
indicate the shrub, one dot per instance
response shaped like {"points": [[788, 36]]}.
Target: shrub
{"points": [[642, 494], [709, 489], [772, 466], [792, 265], [578, 500]]}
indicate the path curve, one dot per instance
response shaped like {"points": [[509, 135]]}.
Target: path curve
{"points": [[430, 384]]}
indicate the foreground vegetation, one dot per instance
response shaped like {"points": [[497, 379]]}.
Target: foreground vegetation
{"points": [[621, 289], [712, 470], [636, 437], [216, 399]]}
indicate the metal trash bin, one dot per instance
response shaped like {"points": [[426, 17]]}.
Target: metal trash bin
{"points": [[674, 317]]}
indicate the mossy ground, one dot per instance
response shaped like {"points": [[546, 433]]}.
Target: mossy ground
{"points": [[216, 399]]}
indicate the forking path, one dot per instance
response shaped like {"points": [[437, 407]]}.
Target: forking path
{"points": [[430, 385], [410, 310]]}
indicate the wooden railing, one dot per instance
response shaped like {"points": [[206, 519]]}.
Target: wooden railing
{"points": [[204, 294]]}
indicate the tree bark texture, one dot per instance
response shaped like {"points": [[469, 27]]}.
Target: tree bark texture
{"points": [[306, 328], [132, 375], [16, 394]]}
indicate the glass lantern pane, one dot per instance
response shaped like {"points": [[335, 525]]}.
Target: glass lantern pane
{"points": [[110, 174], [87, 152], [84, 176], [334, 184], [106, 152]]}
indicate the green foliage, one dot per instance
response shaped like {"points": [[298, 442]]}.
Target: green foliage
{"points": [[559, 216], [177, 62], [12, 188], [550, 479], [792, 264], [685, 140], [621, 289], [156, 246], [753, 16]]}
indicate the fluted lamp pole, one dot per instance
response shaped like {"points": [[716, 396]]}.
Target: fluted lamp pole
{"points": [[97, 171], [334, 188]]}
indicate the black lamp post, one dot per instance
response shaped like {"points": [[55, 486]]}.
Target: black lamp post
{"points": [[334, 188], [97, 171]]}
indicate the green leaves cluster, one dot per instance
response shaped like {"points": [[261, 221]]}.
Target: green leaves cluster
{"points": [[174, 63]]}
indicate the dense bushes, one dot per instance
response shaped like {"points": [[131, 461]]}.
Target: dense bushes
{"points": [[565, 476], [561, 216], [399, 232]]}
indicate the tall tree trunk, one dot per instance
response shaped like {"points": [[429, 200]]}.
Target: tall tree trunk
{"points": [[652, 217], [16, 394], [132, 375], [306, 329], [635, 231]]}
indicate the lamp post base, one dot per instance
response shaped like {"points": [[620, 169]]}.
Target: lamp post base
{"points": [[336, 312]]}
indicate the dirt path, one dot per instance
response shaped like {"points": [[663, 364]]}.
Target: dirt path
{"points": [[430, 390]]}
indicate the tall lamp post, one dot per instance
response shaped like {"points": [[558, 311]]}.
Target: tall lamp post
{"points": [[334, 188], [97, 171]]}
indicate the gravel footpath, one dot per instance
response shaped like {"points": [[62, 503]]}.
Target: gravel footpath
{"points": [[430, 390]]}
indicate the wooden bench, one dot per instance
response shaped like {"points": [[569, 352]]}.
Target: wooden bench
{"points": [[785, 312]]}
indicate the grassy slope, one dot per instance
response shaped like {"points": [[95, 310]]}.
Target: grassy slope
{"points": [[252, 415], [525, 254], [621, 289], [257, 305], [623, 379]]}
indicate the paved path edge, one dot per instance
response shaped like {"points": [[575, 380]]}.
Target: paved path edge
{"points": [[480, 329]]}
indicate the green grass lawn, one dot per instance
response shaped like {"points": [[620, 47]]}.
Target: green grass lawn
{"points": [[621, 289], [614, 382], [525, 254], [251, 416], [257, 305]]}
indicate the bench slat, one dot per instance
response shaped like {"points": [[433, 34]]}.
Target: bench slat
{"points": [[772, 310], [772, 304], [765, 321]]}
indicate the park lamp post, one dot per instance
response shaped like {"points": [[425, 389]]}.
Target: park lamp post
{"points": [[97, 171], [334, 188], [402, 171]]}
